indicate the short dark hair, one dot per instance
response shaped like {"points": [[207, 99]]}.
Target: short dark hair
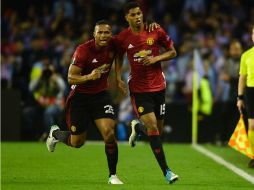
{"points": [[101, 22], [130, 5]]}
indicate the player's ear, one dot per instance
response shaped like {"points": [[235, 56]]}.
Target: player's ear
{"points": [[126, 18]]}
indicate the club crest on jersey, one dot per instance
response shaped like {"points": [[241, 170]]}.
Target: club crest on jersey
{"points": [[140, 109], [73, 128], [150, 41], [141, 54]]}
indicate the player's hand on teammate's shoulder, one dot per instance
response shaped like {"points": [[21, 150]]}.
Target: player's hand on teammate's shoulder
{"points": [[122, 87], [151, 25]]}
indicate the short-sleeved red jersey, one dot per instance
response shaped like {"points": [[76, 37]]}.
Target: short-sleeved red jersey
{"points": [[137, 46], [88, 57]]}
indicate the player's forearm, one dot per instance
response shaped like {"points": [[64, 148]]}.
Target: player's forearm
{"points": [[78, 79], [118, 67], [241, 84], [167, 55]]}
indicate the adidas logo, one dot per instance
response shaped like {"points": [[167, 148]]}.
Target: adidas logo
{"points": [[94, 61], [130, 46]]}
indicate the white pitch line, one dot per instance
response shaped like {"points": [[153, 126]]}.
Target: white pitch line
{"points": [[221, 161]]}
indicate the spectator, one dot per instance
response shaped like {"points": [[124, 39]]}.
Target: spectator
{"points": [[48, 89]]}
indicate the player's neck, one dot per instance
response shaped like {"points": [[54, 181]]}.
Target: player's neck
{"points": [[98, 47], [138, 29]]}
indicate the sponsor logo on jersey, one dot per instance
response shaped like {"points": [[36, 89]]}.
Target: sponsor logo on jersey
{"points": [[150, 41], [141, 54], [94, 60], [73, 128], [140, 109]]}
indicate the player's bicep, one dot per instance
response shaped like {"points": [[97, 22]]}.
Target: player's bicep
{"points": [[74, 71]]}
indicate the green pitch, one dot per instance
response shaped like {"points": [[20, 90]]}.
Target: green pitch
{"points": [[29, 166]]}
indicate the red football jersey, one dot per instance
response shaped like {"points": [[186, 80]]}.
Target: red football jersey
{"points": [[88, 57], [144, 78]]}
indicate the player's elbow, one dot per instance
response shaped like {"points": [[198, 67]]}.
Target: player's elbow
{"points": [[70, 80], [173, 53]]}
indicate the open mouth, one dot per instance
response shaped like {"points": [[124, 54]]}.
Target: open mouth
{"points": [[138, 22], [103, 42]]}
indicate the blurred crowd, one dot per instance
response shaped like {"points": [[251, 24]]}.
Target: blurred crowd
{"points": [[39, 38]]}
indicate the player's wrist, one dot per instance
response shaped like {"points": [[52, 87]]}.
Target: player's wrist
{"points": [[88, 77], [240, 97]]}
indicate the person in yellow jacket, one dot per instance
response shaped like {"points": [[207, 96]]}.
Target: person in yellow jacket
{"points": [[246, 91]]}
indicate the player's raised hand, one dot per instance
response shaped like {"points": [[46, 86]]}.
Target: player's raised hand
{"points": [[122, 87]]}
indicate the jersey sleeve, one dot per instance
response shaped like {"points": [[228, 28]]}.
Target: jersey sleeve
{"points": [[79, 57], [243, 66], [164, 40]]}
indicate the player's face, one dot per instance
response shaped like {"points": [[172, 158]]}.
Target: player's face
{"points": [[102, 35], [134, 17]]}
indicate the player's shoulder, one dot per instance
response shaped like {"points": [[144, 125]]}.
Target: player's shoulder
{"points": [[85, 46], [159, 30], [125, 32], [84, 49]]}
